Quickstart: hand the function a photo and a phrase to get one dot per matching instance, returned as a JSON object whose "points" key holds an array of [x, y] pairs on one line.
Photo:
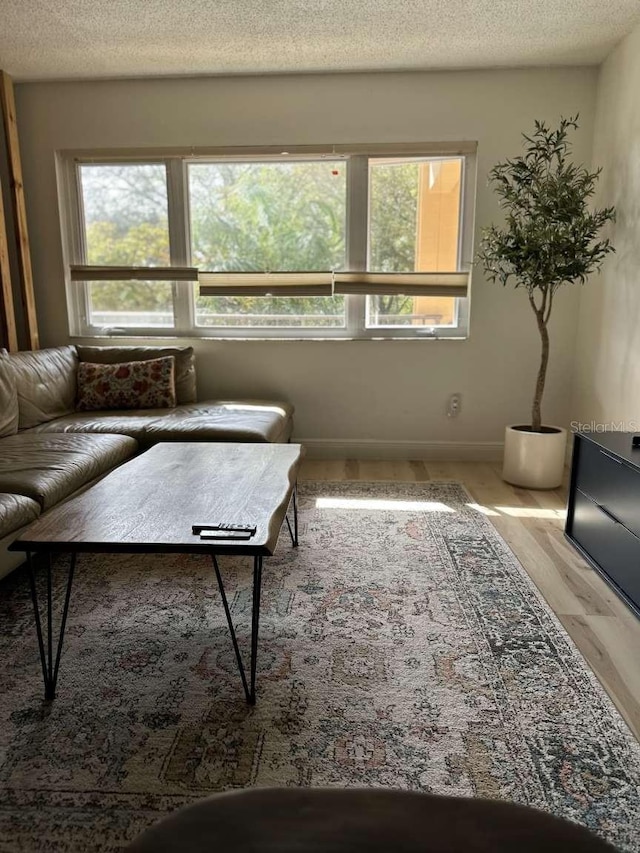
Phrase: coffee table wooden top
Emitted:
{"points": [[150, 503]]}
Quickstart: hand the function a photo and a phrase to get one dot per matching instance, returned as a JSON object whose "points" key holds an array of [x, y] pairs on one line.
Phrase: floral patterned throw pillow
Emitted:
{"points": [[128, 385]]}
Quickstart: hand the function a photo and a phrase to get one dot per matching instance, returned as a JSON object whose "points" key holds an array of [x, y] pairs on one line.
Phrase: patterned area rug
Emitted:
{"points": [[402, 645]]}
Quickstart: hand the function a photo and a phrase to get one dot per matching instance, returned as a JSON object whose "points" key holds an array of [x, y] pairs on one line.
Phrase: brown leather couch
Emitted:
{"points": [[49, 451], [360, 820]]}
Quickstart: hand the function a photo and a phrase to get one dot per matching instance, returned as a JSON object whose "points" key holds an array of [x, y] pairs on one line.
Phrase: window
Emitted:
{"points": [[126, 223], [268, 216], [414, 226], [327, 244]]}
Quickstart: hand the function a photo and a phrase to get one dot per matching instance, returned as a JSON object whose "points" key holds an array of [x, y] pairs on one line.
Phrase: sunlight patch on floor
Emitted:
{"points": [[520, 511], [484, 510], [532, 512]]}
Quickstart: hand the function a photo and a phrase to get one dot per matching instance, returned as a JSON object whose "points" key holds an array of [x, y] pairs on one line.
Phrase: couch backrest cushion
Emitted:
{"points": [[8, 397], [46, 384], [185, 363]]}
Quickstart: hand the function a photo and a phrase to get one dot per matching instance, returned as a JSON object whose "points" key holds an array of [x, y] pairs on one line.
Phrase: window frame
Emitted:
{"points": [[176, 162]]}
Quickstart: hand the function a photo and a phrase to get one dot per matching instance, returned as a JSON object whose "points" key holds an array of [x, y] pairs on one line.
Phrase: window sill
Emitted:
{"points": [[270, 338]]}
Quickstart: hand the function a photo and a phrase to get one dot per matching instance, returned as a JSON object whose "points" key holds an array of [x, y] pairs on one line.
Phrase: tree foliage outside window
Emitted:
{"points": [[269, 217], [127, 224], [393, 217]]}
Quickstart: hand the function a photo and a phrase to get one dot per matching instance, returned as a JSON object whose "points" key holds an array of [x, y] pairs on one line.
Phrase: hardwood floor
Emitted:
{"points": [[603, 628]]}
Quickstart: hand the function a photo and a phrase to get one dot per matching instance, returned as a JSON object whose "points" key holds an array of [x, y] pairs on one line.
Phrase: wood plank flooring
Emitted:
{"points": [[603, 628]]}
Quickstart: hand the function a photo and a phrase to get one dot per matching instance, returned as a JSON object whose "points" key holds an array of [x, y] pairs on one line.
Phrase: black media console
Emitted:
{"points": [[603, 515]]}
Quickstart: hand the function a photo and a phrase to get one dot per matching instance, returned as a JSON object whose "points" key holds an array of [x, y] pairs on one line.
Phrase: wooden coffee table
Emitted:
{"points": [[150, 504]]}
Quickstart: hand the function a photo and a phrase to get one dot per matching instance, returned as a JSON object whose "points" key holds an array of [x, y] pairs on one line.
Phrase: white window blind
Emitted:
{"points": [[84, 272]]}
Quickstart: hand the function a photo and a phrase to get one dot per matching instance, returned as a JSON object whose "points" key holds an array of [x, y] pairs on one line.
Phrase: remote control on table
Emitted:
{"points": [[236, 528], [227, 535]]}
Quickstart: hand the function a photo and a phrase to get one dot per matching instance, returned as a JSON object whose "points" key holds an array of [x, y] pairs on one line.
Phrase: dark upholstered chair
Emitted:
{"points": [[331, 820]]}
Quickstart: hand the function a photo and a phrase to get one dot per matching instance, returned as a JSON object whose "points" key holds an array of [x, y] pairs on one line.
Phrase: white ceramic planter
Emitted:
{"points": [[534, 460]]}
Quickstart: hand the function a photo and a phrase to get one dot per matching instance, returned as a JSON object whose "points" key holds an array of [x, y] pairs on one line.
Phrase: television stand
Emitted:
{"points": [[603, 513]]}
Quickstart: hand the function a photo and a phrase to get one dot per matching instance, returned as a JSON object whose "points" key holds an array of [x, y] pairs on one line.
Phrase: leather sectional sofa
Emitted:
{"points": [[49, 451]]}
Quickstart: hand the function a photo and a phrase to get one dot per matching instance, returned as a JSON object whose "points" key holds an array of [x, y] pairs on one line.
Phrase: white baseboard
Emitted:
{"points": [[442, 451]]}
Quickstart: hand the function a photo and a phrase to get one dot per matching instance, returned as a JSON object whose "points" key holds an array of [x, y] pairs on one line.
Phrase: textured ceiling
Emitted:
{"points": [[58, 39]]}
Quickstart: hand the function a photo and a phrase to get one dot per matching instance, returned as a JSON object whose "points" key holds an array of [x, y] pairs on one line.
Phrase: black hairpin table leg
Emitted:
{"points": [[294, 532], [249, 689], [49, 665]]}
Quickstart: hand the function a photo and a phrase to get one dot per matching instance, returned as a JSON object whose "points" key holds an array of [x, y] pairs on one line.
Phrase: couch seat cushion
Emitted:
{"points": [[15, 512], [213, 420], [48, 467], [219, 420]]}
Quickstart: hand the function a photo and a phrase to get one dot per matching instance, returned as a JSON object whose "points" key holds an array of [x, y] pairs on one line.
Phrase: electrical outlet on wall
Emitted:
{"points": [[454, 405]]}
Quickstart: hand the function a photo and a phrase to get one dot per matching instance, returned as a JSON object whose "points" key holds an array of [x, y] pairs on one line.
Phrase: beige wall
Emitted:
{"points": [[385, 397], [607, 376]]}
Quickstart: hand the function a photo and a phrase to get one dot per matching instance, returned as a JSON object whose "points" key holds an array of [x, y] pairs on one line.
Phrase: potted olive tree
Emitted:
{"points": [[550, 238]]}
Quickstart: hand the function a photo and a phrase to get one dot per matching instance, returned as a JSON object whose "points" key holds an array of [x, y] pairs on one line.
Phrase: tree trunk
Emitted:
{"points": [[536, 417]]}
